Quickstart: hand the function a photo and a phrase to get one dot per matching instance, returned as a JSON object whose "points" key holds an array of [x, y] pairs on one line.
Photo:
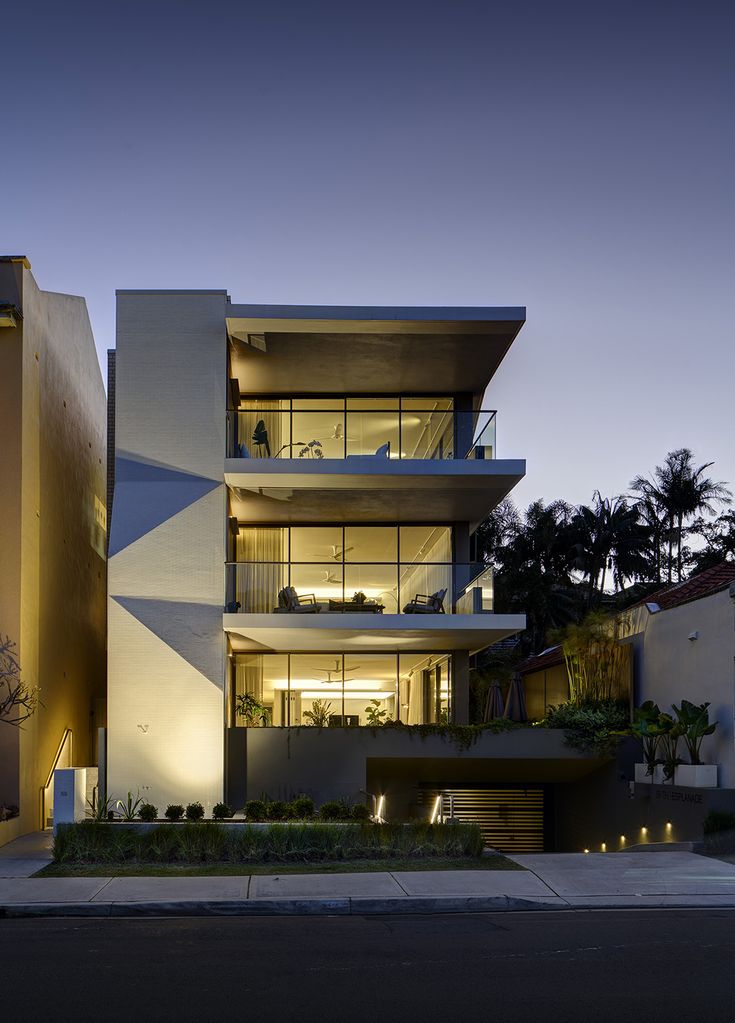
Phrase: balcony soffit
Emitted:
{"points": [[378, 356]]}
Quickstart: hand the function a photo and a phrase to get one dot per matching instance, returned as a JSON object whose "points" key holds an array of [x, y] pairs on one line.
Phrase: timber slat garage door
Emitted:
{"points": [[511, 819]]}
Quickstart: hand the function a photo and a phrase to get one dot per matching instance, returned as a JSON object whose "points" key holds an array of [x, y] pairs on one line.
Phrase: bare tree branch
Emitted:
{"points": [[18, 700]]}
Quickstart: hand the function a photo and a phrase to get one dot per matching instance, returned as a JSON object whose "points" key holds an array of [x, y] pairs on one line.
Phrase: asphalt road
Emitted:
{"points": [[542, 967]]}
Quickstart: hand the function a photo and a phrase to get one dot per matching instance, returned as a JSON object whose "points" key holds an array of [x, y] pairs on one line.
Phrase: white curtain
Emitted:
{"points": [[426, 577], [261, 553]]}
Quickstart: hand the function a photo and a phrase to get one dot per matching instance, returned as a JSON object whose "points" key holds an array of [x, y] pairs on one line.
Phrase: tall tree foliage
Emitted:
{"points": [[681, 491], [530, 557], [607, 536], [554, 562]]}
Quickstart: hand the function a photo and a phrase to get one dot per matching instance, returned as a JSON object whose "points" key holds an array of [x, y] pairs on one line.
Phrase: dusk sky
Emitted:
{"points": [[573, 158]]}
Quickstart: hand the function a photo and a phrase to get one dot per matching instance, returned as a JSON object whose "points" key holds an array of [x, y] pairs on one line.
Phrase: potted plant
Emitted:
{"points": [[318, 716], [646, 726], [695, 724], [672, 731], [253, 711], [312, 450], [376, 713]]}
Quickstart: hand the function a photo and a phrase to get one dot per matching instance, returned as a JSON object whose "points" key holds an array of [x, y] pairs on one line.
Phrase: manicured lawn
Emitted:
{"points": [[244, 869]]}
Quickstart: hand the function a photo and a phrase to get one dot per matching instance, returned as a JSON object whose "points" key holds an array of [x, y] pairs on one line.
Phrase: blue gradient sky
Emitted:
{"points": [[573, 158]]}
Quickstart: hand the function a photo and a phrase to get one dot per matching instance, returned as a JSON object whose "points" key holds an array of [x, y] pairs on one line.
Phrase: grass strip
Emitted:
{"points": [[496, 862]]}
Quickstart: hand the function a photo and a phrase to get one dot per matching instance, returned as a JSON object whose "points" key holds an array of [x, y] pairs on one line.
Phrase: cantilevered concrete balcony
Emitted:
{"points": [[368, 489], [364, 633], [374, 350]]}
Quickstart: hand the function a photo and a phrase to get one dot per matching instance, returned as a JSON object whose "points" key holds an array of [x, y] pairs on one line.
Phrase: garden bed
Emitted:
{"points": [[90, 842]]}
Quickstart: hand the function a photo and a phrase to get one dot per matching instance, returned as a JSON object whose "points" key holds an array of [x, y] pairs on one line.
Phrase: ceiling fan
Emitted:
{"points": [[337, 433], [330, 578], [336, 670], [337, 552]]}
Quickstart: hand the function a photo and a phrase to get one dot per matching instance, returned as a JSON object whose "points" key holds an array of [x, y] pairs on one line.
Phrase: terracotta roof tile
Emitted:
{"points": [[712, 580], [546, 659]]}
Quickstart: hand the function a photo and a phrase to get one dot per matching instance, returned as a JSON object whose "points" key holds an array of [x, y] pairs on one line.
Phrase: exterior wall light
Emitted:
{"points": [[622, 839], [379, 809], [603, 847], [586, 850]]}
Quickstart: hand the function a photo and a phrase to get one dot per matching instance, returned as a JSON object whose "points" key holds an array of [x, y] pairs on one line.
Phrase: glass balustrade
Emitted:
{"points": [[355, 433], [343, 587]]}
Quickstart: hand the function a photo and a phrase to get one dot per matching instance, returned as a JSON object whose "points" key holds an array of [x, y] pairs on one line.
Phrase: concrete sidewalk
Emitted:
{"points": [[24, 856], [549, 881]]}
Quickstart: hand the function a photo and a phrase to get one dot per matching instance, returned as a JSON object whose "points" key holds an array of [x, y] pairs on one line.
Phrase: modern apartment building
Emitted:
{"points": [[291, 561], [52, 537]]}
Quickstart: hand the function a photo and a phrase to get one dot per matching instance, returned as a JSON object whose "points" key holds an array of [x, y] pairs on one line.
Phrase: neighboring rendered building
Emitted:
{"points": [[683, 639], [52, 540], [682, 643]]}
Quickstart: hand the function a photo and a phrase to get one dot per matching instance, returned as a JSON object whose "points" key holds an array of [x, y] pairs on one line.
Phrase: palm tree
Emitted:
{"points": [[532, 571], [719, 541], [654, 519], [682, 491], [607, 536]]}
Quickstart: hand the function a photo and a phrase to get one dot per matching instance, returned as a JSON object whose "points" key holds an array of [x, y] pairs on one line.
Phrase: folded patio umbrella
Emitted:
{"points": [[494, 702], [515, 705]]}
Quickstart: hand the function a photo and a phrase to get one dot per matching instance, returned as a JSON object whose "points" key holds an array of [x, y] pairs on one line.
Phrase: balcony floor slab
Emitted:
{"points": [[342, 633], [368, 489]]}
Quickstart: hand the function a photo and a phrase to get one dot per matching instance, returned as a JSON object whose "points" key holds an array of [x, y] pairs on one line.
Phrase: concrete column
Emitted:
{"points": [[461, 687], [463, 425], [460, 557]]}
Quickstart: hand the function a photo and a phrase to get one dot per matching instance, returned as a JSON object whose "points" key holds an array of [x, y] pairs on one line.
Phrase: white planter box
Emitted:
{"points": [[643, 778], [696, 776]]}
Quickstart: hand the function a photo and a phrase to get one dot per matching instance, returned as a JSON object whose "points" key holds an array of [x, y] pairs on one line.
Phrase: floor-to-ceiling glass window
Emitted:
{"points": [[259, 690], [339, 690], [351, 568], [317, 428], [382, 426], [371, 689], [425, 566], [425, 688]]}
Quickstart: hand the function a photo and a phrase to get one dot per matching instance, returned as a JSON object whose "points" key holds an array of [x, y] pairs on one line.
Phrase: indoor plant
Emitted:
{"points": [[318, 716], [253, 711]]}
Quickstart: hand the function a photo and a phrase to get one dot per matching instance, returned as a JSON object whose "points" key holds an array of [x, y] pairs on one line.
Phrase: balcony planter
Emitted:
{"points": [[642, 776], [696, 776]]}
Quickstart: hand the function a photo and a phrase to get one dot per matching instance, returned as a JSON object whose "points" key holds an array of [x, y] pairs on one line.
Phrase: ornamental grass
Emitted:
{"points": [[92, 842]]}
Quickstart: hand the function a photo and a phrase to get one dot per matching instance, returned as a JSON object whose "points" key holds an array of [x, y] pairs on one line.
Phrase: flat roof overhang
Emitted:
{"points": [[377, 350], [368, 489], [342, 633]]}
